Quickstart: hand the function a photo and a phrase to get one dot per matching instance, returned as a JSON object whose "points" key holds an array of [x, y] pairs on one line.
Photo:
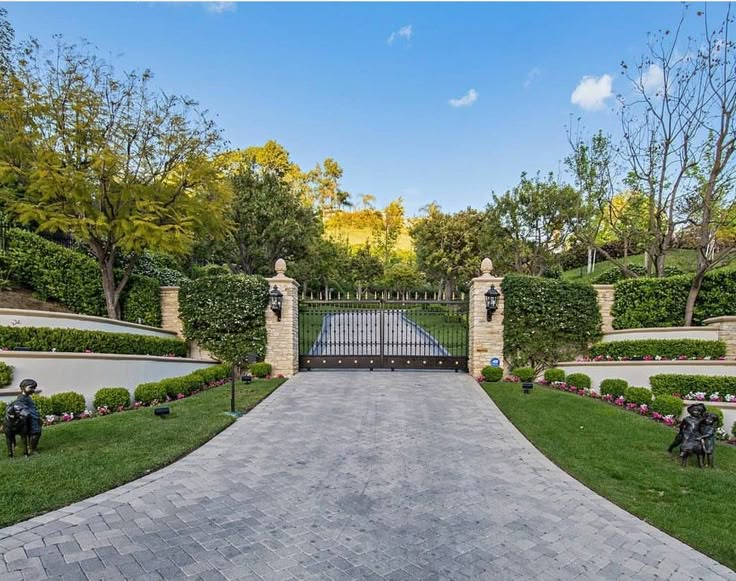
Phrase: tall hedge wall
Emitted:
{"points": [[73, 279], [546, 321], [226, 315], [660, 302]]}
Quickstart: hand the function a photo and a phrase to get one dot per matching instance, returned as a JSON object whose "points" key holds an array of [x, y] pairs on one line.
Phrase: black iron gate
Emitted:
{"points": [[383, 334]]}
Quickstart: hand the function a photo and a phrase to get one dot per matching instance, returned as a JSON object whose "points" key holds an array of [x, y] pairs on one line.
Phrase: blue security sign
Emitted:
{"points": [[495, 362]]}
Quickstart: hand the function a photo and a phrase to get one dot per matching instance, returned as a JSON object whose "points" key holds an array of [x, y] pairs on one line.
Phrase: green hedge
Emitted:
{"points": [[491, 373], [614, 387], [6, 374], [671, 383], [638, 395], [546, 320], [43, 404], [3, 408], [660, 302], [665, 348], [554, 374], [73, 278], [579, 380], [226, 315], [186, 384], [68, 402], [112, 398], [667, 405], [77, 341]]}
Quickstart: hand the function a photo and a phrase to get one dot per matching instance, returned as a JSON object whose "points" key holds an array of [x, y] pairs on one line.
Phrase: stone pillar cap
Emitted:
{"points": [[486, 266], [280, 266]]}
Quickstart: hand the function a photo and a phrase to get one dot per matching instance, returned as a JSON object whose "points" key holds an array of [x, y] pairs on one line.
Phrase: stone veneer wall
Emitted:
{"points": [[485, 338], [170, 321], [605, 304], [282, 347], [726, 332]]}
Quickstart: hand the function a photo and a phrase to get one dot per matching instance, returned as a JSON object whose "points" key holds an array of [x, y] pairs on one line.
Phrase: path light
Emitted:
{"points": [[277, 299], [527, 386], [491, 302], [161, 412]]}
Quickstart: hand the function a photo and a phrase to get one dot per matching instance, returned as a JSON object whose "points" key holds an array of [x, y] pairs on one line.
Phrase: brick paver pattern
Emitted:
{"points": [[353, 475]]}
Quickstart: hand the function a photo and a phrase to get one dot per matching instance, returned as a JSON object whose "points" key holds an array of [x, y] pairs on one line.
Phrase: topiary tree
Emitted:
{"points": [[226, 315], [667, 405], [638, 395], [525, 374]]}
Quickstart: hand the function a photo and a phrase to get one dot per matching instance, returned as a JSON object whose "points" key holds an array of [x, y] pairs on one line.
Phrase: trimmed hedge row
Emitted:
{"points": [[665, 348], [146, 393], [554, 374], [546, 320], [672, 383], [65, 402], [660, 302], [78, 341], [73, 279], [638, 395]]}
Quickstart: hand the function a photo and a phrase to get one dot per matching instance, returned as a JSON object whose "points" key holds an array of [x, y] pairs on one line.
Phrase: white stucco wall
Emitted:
{"points": [[637, 373], [707, 333], [26, 318], [85, 373]]}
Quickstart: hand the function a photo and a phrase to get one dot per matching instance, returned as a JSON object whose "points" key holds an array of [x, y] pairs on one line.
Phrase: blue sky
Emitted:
{"points": [[371, 84]]}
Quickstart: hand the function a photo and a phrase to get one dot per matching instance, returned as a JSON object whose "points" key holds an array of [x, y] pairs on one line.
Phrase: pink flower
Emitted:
{"points": [[644, 409], [657, 416], [180, 396], [103, 410], [620, 401], [137, 404]]}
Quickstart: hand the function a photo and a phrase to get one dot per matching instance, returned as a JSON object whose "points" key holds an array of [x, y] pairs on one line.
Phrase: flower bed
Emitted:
{"points": [[641, 409]]}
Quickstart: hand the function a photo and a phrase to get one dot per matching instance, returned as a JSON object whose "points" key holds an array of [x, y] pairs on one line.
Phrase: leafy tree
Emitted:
{"points": [[270, 222], [537, 216], [366, 269], [7, 35], [387, 230], [403, 277], [448, 246], [105, 157]]}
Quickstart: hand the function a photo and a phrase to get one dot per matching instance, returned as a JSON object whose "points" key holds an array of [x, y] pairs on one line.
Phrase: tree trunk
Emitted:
{"points": [[112, 296], [590, 259], [692, 296]]}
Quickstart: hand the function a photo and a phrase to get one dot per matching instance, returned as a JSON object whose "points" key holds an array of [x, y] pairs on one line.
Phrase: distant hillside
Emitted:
{"points": [[356, 228]]}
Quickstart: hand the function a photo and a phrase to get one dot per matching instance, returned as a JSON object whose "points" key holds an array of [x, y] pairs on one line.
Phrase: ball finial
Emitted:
{"points": [[280, 266], [486, 266]]}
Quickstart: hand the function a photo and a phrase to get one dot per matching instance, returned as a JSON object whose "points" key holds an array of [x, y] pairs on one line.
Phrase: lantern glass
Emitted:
{"points": [[491, 297]]}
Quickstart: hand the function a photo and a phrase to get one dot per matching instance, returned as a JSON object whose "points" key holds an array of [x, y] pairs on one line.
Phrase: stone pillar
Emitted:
{"points": [[485, 338], [282, 348], [170, 320], [605, 304], [726, 332]]}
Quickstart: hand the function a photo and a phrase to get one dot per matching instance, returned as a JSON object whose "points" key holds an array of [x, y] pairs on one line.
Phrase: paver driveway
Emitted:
{"points": [[354, 475]]}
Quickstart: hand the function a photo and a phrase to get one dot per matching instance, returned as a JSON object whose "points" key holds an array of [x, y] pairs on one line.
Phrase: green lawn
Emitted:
{"points": [[83, 458], [449, 329], [624, 457], [684, 259]]}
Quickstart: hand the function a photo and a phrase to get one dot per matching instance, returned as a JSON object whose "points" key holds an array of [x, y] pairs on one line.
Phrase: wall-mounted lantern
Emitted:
{"points": [[492, 296], [277, 298]]}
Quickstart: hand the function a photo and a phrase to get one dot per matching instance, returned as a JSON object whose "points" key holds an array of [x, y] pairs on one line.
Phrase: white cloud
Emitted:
{"points": [[221, 7], [532, 76], [652, 80], [403, 33], [466, 100], [591, 93]]}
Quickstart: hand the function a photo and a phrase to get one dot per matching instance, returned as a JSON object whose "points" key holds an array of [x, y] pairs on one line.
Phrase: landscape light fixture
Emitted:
{"points": [[491, 302], [527, 386], [277, 298], [161, 412]]}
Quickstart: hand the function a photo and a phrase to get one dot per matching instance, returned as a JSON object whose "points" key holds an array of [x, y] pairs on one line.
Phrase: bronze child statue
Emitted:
{"points": [[22, 419], [708, 427], [688, 438]]}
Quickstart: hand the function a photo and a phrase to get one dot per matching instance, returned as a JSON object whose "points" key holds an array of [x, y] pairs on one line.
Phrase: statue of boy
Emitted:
{"points": [[27, 389], [708, 428], [689, 425]]}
